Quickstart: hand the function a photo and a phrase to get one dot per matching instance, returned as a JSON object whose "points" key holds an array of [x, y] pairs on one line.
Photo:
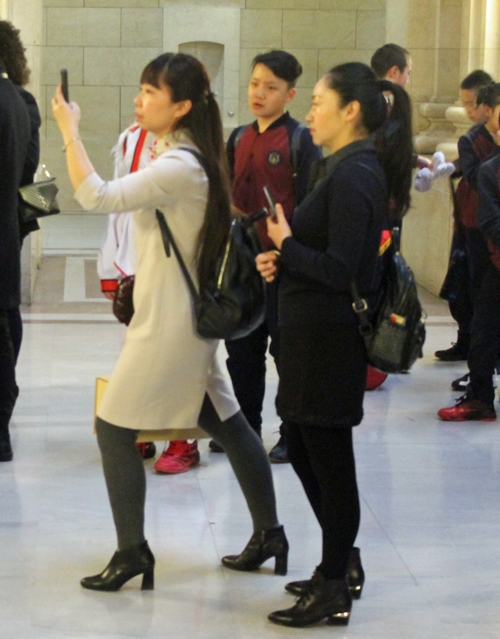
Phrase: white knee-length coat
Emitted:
{"points": [[164, 369]]}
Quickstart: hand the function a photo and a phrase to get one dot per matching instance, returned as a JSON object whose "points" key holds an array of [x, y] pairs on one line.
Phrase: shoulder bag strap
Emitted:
{"points": [[360, 307], [168, 241], [168, 238]]}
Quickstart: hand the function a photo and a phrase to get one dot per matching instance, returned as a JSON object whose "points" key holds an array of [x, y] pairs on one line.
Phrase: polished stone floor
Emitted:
{"points": [[430, 499]]}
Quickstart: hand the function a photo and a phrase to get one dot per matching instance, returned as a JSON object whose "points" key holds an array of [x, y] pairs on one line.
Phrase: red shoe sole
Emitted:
{"points": [[462, 418]]}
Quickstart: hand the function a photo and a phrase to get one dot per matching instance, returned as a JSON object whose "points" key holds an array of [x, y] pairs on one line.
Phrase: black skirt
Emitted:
{"points": [[322, 372]]}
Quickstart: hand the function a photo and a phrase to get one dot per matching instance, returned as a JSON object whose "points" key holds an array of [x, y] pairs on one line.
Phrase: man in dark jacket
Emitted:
{"points": [[14, 139]]}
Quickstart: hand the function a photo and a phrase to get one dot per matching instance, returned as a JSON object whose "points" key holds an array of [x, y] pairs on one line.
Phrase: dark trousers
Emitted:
{"points": [[323, 459], [16, 329], [247, 361], [485, 335], [456, 286], [478, 259], [8, 387]]}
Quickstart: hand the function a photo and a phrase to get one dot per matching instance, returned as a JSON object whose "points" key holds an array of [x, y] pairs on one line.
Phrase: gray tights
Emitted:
{"points": [[126, 479]]}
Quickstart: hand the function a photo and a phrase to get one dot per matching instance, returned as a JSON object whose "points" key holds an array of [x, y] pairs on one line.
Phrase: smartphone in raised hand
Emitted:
{"points": [[64, 84], [272, 204]]}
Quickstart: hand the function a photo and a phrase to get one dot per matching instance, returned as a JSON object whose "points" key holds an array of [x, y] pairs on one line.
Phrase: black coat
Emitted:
{"points": [[14, 140], [32, 158]]}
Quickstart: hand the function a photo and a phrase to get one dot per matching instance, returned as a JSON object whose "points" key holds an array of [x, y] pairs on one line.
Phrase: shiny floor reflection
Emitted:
{"points": [[430, 511]]}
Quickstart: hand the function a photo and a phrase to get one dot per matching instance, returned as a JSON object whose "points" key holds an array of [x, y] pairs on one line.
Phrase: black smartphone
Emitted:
{"points": [[272, 205], [64, 84]]}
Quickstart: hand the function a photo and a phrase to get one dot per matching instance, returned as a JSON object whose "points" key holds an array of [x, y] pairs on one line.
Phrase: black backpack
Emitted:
{"points": [[394, 331], [234, 304]]}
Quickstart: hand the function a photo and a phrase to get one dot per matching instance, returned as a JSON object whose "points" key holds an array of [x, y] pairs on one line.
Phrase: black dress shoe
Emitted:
{"points": [[215, 447], [279, 452], [6, 453], [124, 565], [147, 450], [355, 578], [458, 352], [325, 599], [263, 545]]}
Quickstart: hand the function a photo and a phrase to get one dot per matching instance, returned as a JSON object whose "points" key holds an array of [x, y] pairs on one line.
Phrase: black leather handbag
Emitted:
{"points": [[39, 199], [123, 303], [234, 306]]}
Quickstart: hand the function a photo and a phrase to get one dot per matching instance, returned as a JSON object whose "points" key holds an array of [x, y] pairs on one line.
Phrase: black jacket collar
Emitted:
{"points": [[282, 120], [325, 167]]}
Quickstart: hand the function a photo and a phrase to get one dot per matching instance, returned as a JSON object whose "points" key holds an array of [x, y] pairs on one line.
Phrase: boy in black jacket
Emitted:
{"points": [[274, 151], [456, 287], [477, 403]]}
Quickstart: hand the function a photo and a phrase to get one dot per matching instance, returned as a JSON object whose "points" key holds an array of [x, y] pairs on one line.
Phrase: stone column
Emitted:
{"points": [[428, 29], [479, 49]]}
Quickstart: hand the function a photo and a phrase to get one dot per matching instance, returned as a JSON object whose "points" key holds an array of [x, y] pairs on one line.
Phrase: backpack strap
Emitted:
{"points": [[360, 307], [295, 146], [240, 133], [168, 238], [294, 154]]}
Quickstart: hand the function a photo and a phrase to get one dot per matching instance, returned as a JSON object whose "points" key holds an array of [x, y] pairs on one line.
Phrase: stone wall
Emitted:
{"points": [[104, 44]]}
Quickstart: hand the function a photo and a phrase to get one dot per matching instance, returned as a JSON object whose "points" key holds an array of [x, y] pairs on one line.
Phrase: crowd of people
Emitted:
{"points": [[324, 235]]}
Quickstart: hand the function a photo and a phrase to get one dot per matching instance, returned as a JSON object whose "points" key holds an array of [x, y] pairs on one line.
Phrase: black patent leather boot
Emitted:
{"points": [[325, 600], [124, 565], [355, 577], [263, 545], [355, 573]]}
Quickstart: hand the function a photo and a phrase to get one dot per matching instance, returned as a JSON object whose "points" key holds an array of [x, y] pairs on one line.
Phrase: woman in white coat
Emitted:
{"points": [[166, 373]]}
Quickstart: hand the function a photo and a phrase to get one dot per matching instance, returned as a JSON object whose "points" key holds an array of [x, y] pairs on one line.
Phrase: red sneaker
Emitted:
{"points": [[178, 458], [374, 378], [467, 409], [146, 449]]}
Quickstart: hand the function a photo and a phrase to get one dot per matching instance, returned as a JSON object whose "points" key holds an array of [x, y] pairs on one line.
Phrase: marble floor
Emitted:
{"points": [[430, 499]]}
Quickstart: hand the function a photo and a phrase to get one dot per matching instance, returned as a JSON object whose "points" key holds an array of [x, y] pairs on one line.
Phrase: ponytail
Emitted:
{"points": [[395, 147], [187, 79], [390, 124]]}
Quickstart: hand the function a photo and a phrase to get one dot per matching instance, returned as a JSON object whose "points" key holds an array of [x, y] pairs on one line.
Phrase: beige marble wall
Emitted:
{"points": [[104, 44], [320, 33], [426, 238]]}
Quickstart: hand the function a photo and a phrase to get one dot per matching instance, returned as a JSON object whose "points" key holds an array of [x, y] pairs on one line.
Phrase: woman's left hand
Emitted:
{"points": [[66, 114], [278, 230]]}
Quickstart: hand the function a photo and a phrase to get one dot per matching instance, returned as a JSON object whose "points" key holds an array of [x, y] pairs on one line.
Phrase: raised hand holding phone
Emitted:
{"points": [[64, 84]]}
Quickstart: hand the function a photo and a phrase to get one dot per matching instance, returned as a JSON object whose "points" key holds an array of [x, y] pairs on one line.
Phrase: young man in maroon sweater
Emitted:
{"points": [[277, 152]]}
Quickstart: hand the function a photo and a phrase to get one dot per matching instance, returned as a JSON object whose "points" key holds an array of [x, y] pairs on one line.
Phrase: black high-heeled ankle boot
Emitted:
{"points": [[355, 578], [124, 565], [325, 599], [355, 573], [263, 545]]}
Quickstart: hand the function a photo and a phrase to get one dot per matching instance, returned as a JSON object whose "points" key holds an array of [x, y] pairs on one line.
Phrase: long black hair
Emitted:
{"points": [[187, 79], [12, 54], [390, 124]]}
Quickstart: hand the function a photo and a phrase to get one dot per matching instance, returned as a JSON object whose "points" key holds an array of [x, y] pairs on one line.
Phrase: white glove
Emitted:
{"points": [[424, 180], [442, 169]]}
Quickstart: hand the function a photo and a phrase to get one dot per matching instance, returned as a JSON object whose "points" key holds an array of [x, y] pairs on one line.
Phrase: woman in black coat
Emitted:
{"points": [[333, 239], [12, 54]]}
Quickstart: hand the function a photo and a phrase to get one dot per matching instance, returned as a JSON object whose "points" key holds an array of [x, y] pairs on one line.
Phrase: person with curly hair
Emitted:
{"points": [[14, 141], [12, 54]]}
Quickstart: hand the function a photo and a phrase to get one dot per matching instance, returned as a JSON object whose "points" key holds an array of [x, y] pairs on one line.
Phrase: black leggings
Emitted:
{"points": [[126, 480], [323, 458]]}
